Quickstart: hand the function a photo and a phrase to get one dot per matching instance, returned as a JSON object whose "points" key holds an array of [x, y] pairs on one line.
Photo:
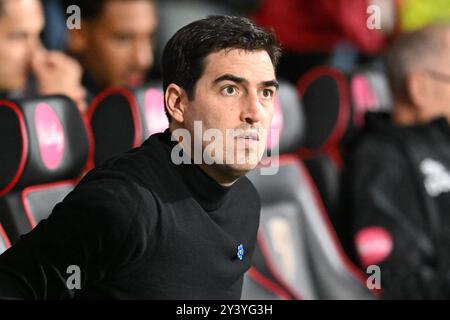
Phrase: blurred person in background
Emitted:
{"points": [[115, 42], [26, 68], [319, 32], [397, 181]]}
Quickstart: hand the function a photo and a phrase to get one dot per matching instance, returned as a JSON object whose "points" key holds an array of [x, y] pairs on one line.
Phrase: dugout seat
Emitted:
{"points": [[45, 147], [123, 118], [335, 105]]}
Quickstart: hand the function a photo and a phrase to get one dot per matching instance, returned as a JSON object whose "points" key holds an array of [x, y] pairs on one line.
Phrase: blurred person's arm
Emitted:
{"points": [[57, 73], [388, 224]]}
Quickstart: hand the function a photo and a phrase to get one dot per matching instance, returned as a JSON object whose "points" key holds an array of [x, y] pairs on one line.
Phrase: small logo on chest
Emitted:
{"points": [[437, 177], [240, 252]]}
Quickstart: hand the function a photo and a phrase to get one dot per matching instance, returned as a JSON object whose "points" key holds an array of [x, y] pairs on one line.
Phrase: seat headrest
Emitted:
{"points": [[41, 140], [288, 123], [122, 118], [326, 102], [370, 92]]}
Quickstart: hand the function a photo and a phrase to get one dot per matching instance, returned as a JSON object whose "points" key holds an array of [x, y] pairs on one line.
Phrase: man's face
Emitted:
{"points": [[117, 46], [429, 85], [439, 104], [236, 91], [21, 23]]}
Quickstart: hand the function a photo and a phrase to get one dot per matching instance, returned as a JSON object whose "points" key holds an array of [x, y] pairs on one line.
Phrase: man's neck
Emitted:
{"points": [[403, 118], [224, 181], [405, 114], [211, 170]]}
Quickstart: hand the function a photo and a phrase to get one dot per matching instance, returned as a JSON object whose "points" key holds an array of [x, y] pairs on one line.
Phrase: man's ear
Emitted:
{"points": [[419, 89], [175, 98]]}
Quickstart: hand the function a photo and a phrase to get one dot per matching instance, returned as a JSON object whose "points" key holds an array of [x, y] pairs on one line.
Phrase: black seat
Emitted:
{"points": [[335, 105], [122, 118], [298, 250], [326, 99], [45, 147]]}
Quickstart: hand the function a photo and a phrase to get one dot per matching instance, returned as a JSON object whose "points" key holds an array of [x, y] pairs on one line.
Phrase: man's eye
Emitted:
{"points": [[123, 37], [267, 93], [229, 91], [17, 36]]}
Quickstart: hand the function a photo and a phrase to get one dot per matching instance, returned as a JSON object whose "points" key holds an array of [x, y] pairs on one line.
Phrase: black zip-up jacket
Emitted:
{"points": [[396, 191]]}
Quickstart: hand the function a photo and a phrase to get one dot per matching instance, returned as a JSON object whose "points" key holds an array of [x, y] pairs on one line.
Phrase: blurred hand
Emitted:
{"points": [[57, 73]]}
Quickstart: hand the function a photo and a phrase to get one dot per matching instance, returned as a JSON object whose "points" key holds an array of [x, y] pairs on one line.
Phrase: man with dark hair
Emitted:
{"points": [[397, 182], [144, 224], [115, 42], [26, 68]]}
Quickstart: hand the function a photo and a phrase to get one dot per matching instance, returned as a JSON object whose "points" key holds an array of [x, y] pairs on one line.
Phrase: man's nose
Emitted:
{"points": [[251, 111], [33, 45], [142, 55]]}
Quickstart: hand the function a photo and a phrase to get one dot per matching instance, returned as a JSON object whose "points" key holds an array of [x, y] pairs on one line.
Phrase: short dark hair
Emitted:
{"points": [[413, 51], [184, 54]]}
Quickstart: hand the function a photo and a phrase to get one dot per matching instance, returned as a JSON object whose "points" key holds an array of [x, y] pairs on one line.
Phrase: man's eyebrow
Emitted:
{"points": [[230, 77], [233, 78], [271, 83]]}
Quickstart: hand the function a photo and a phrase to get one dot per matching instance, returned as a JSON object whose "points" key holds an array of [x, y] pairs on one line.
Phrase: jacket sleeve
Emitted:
{"points": [[96, 228], [388, 224]]}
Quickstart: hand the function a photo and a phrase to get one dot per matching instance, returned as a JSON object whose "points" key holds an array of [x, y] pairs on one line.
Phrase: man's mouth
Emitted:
{"points": [[250, 136], [135, 79]]}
